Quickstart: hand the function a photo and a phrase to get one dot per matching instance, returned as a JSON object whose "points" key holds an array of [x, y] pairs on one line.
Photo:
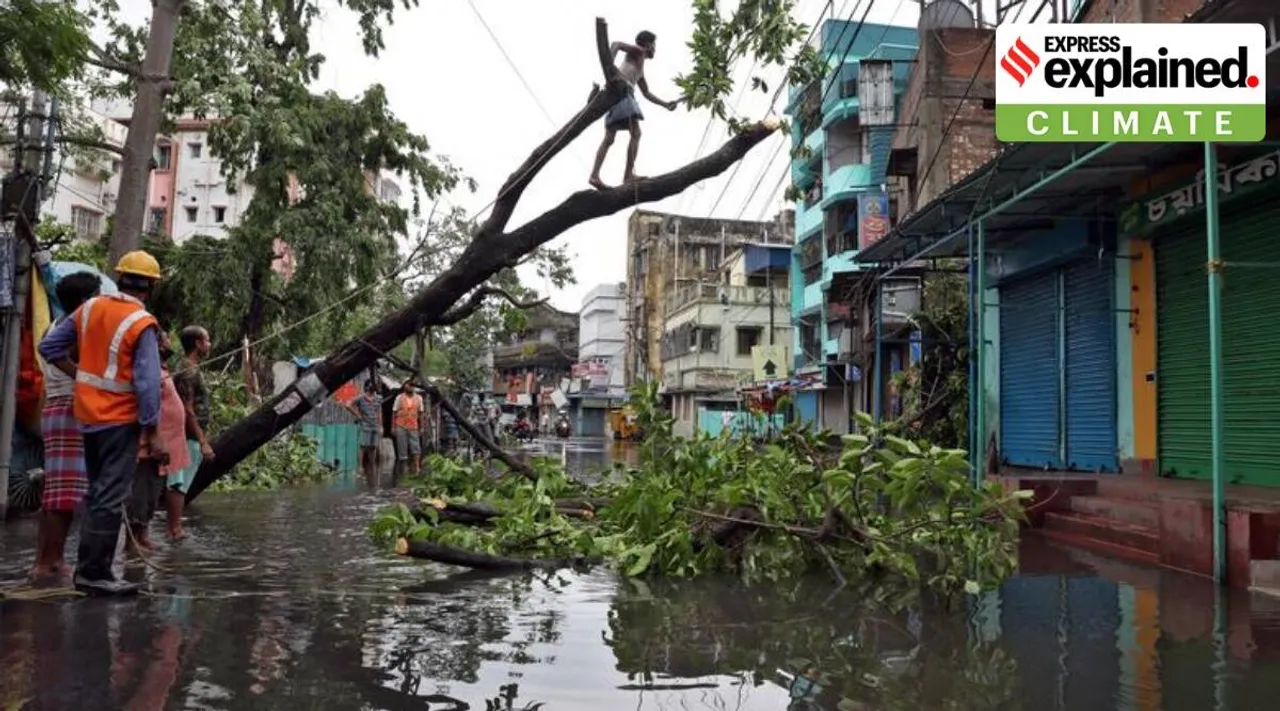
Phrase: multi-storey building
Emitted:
{"points": [[1120, 304], [668, 252], [85, 183], [598, 379], [841, 137], [532, 365], [712, 328]]}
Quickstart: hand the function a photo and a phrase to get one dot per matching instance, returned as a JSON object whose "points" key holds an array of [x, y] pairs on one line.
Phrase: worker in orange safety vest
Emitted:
{"points": [[116, 402]]}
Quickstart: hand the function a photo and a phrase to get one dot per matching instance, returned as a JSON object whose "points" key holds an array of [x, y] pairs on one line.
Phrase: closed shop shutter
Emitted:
{"points": [[1251, 350], [1029, 388], [807, 408], [1089, 347], [592, 422], [835, 415]]}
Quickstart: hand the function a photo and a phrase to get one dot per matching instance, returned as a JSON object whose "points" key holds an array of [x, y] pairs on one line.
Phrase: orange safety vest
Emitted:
{"points": [[406, 415], [107, 330]]}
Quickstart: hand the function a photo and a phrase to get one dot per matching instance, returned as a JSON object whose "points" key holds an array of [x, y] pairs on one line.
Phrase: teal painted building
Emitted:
{"points": [[840, 152]]}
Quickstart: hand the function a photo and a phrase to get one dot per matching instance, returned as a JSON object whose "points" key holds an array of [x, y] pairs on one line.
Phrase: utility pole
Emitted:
{"points": [[23, 193]]}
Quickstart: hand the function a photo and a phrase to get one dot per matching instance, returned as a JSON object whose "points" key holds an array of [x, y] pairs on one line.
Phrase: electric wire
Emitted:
{"points": [[774, 102]]}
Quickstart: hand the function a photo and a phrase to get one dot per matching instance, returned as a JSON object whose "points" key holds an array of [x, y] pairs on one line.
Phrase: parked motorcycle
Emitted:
{"points": [[563, 429]]}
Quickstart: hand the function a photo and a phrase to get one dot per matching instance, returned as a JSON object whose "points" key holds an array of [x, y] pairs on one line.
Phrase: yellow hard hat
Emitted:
{"points": [[139, 263]]}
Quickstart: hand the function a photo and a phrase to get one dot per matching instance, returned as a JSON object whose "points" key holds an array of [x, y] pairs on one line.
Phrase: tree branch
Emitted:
{"points": [[473, 304], [486, 255], [598, 105], [589, 204], [91, 143], [465, 425]]}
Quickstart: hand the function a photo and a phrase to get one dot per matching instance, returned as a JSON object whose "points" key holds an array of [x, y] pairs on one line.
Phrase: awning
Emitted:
{"points": [[1026, 188]]}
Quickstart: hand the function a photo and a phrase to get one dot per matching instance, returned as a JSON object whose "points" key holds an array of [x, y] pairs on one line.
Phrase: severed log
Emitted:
{"points": [[479, 513], [491, 250], [437, 553]]}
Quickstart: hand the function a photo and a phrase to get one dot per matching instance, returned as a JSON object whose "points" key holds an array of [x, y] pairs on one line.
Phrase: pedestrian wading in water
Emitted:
{"points": [[116, 401], [149, 479], [65, 482], [367, 408], [195, 401], [626, 114]]}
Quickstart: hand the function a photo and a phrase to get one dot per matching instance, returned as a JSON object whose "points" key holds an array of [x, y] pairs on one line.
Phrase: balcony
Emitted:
{"points": [[721, 294]]}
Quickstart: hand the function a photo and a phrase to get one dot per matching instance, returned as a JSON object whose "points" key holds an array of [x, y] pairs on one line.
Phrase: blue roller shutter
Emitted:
{"points": [[1030, 401], [1090, 367], [807, 408]]}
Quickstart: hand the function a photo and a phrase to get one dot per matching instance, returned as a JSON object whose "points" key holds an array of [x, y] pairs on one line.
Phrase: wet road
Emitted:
{"points": [[279, 601]]}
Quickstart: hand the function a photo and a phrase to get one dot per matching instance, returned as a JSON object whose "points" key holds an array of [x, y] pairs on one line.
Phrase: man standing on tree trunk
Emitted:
{"points": [[117, 403], [626, 114]]}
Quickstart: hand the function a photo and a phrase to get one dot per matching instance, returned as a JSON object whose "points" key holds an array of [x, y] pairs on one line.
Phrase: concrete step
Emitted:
{"points": [[1128, 511], [1122, 540], [1129, 488]]}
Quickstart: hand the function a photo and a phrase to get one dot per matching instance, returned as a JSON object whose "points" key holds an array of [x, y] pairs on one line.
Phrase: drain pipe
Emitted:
{"points": [[1214, 267], [972, 360], [980, 266], [876, 405]]}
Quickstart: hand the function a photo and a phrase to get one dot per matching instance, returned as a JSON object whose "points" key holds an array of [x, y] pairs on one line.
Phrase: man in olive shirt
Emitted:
{"points": [[195, 397]]}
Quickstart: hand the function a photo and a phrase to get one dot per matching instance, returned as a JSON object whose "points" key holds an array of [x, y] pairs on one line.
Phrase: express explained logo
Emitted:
{"points": [[1020, 61], [1119, 68], [1132, 82]]}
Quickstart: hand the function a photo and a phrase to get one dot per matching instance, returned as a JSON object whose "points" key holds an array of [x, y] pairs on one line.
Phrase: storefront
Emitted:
{"points": [[1058, 368], [1250, 302]]}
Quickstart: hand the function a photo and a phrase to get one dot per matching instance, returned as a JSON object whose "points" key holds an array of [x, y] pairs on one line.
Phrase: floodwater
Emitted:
{"points": [[279, 601]]}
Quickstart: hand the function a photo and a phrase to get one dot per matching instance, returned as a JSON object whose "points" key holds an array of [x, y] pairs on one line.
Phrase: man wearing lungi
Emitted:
{"points": [[65, 480], [626, 113]]}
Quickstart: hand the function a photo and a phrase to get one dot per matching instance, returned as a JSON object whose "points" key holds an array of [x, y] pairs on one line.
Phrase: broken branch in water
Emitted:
{"points": [[425, 550]]}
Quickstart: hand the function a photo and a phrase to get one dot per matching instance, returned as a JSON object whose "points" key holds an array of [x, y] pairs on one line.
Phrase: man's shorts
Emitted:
{"points": [[368, 438], [408, 443]]}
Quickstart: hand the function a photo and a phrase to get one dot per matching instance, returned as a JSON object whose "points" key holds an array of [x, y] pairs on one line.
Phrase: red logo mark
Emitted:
{"points": [[1020, 61]]}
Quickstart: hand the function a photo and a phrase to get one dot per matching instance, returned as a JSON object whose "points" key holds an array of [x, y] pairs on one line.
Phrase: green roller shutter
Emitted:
{"points": [[1251, 349]]}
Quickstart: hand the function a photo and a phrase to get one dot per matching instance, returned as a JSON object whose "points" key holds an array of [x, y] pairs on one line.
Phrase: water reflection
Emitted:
{"points": [[279, 602]]}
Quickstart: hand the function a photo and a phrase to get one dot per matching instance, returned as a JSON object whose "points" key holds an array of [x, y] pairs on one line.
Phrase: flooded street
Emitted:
{"points": [[279, 601]]}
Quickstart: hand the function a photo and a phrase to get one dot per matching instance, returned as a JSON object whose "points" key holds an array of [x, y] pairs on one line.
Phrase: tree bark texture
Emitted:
{"points": [[144, 124], [492, 248], [481, 561]]}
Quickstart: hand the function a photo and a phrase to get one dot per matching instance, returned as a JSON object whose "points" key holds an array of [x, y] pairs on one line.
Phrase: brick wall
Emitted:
{"points": [[1140, 10], [950, 60]]}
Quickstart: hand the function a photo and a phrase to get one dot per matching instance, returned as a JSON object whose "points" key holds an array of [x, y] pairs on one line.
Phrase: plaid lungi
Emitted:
{"points": [[65, 480]]}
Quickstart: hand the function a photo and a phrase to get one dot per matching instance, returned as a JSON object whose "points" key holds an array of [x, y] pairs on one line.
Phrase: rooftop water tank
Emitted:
{"points": [[945, 13]]}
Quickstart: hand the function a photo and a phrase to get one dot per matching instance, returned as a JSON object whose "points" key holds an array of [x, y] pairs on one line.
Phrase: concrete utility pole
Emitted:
{"points": [[23, 193]]}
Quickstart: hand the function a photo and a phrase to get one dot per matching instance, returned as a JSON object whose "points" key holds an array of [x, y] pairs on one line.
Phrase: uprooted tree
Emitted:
{"points": [[717, 42]]}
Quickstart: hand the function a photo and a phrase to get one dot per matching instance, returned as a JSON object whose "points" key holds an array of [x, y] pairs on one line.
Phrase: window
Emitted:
{"points": [[710, 340], [192, 212], [157, 219], [164, 155], [195, 149], [655, 228], [219, 214], [88, 224], [748, 338], [115, 166]]}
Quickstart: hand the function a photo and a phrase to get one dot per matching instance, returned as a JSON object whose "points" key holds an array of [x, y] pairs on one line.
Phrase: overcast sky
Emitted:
{"points": [[447, 78]]}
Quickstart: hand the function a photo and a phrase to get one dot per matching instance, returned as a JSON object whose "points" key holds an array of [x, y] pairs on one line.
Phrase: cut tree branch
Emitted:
{"points": [[465, 425], [599, 103], [488, 253], [460, 312]]}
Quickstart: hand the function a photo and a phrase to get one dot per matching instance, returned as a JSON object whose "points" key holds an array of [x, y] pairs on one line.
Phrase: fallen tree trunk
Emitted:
{"points": [[478, 437], [480, 513], [491, 250], [482, 561]]}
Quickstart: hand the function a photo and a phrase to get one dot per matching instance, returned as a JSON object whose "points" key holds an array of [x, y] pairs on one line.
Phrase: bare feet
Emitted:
{"points": [[177, 534], [597, 183]]}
